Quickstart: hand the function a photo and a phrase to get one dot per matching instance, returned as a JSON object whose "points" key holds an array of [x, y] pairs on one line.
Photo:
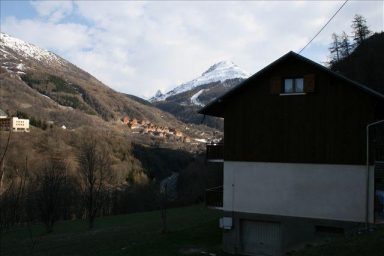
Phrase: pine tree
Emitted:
{"points": [[360, 29], [345, 46], [335, 48]]}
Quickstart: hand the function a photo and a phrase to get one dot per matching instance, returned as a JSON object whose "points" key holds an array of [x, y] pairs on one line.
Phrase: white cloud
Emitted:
{"points": [[53, 11], [139, 47], [60, 38]]}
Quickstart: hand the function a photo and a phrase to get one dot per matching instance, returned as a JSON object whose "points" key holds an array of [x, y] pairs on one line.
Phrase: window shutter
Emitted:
{"points": [[275, 87], [309, 83]]}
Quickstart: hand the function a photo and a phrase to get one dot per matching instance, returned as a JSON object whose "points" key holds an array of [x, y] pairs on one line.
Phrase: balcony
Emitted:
{"points": [[214, 198], [215, 152]]}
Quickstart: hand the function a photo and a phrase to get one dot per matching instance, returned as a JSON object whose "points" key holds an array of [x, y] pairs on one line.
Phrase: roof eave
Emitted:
{"points": [[207, 110]]}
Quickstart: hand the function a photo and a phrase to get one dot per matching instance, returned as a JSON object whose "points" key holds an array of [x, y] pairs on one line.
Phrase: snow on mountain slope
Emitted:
{"points": [[17, 57], [194, 98], [26, 49], [219, 72]]}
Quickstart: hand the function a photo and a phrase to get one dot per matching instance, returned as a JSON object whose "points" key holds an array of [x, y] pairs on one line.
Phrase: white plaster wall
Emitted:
{"points": [[335, 192], [17, 123]]}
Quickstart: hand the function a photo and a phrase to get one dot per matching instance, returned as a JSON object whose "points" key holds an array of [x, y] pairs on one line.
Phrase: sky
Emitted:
{"points": [[139, 47]]}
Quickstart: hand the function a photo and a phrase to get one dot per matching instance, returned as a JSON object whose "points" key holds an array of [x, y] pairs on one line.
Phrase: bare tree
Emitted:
{"points": [[11, 201], [163, 196], [49, 191], [2, 164], [11, 194], [94, 175]]}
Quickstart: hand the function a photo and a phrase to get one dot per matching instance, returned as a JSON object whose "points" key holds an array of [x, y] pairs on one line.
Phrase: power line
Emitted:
{"points": [[324, 26]]}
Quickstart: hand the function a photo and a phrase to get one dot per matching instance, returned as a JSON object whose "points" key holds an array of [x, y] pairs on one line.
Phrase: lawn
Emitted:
{"points": [[369, 243], [190, 229]]}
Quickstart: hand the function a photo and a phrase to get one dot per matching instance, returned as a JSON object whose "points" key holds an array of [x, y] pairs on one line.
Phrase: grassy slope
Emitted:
{"points": [[366, 244], [131, 234], [193, 227]]}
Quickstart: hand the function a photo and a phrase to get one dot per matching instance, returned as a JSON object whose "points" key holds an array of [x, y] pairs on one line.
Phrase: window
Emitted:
{"points": [[294, 85]]}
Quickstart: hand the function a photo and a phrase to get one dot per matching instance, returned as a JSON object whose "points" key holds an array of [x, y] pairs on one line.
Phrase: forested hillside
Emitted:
{"points": [[365, 64], [362, 58]]}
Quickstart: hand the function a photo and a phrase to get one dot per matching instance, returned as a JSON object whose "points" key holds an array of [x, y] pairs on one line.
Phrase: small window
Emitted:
{"points": [[294, 85]]}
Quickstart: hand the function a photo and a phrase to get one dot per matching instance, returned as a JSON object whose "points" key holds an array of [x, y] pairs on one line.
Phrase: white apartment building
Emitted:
{"points": [[14, 124]]}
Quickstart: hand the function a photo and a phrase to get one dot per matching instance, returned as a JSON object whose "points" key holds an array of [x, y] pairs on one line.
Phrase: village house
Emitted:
{"points": [[178, 133], [133, 125], [13, 124], [149, 128], [300, 159], [125, 120], [133, 121]]}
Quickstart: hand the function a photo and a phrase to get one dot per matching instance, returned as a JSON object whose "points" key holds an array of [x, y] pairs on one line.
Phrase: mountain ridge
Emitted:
{"points": [[185, 100], [219, 72], [44, 85]]}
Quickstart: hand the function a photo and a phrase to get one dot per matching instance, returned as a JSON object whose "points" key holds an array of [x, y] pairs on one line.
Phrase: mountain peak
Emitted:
{"points": [[218, 72], [158, 93], [220, 65]]}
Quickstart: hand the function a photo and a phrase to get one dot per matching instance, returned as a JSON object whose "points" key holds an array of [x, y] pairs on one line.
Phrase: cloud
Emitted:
{"points": [[139, 47], [59, 38], [53, 11]]}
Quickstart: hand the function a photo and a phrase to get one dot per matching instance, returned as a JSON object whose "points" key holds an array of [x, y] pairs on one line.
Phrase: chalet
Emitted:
{"points": [[125, 120], [150, 128], [133, 125], [300, 159], [133, 121], [178, 133], [142, 122]]}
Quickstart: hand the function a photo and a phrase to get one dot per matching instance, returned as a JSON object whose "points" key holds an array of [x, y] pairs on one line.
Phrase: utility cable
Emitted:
{"points": [[324, 26]]}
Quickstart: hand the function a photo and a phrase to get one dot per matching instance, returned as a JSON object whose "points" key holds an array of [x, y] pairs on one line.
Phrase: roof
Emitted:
{"points": [[216, 107], [2, 113]]}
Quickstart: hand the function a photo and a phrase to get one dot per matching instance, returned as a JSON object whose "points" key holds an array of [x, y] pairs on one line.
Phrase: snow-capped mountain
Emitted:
{"points": [[26, 49], [185, 100], [17, 56], [43, 84], [220, 72]]}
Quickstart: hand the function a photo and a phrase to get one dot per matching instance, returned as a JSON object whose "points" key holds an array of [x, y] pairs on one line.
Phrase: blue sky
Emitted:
{"points": [[138, 47]]}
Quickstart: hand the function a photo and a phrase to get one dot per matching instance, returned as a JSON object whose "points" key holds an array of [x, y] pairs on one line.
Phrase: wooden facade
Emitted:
{"points": [[325, 124]]}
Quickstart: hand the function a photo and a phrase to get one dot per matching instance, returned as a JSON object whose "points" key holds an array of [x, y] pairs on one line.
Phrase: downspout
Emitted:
{"points": [[367, 191]]}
